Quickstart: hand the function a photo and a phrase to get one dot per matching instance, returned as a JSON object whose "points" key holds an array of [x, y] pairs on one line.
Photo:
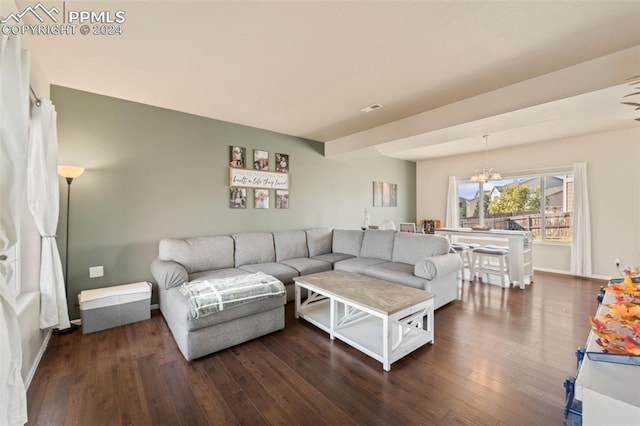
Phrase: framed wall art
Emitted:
{"points": [[260, 160], [238, 198], [282, 163], [377, 194], [261, 198], [389, 195], [385, 194], [247, 178], [237, 156], [282, 199]]}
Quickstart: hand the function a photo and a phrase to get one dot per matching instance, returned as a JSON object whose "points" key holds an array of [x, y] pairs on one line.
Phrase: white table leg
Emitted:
{"points": [[298, 297], [429, 317], [516, 268], [386, 344], [333, 313]]}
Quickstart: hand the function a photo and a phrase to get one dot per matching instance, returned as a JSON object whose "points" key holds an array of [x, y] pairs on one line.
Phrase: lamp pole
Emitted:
{"points": [[66, 241], [69, 173]]}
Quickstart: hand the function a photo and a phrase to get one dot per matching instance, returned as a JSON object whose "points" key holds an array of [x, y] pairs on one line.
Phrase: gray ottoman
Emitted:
{"points": [[197, 337], [108, 307]]}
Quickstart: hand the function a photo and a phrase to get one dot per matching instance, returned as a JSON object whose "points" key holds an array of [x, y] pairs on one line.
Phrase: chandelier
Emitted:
{"points": [[486, 173]]}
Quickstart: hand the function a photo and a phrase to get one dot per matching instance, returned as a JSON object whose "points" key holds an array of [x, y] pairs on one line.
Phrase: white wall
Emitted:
{"points": [[154, 173], [613, 160]]}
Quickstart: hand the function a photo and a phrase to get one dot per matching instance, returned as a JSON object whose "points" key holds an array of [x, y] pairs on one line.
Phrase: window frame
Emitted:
{"points": [[542, 175]]}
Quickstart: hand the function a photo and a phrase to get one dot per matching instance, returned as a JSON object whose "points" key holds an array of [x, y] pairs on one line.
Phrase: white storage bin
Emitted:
{"points": [[108, 307]]}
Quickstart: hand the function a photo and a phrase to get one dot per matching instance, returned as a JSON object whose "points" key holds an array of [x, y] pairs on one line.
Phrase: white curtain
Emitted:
{"points": [[14, 116], [451, 216], [581, 237], [44, 203]]}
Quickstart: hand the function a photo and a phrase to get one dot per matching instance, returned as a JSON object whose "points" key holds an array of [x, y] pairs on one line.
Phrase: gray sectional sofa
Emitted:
{"points": [[416, 260]]}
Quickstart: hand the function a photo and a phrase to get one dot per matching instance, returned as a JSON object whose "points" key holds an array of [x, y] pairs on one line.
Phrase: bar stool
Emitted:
{"points": [[491, 260], [464, 251]]}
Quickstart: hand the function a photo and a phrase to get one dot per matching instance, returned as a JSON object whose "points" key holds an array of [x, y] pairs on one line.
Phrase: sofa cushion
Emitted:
{"points": [[347, 241], [378, 244], [290, 245], [356, 265], [199, 254], [252, 248], [411, 248], [306, 266], [333, 257], [396, 272], [176, 305], [281, 271], [216, 273], [319, 241]]}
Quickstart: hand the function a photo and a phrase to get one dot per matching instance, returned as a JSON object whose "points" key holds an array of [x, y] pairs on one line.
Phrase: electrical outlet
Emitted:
{"points": [[96, 272], [618, 262]]}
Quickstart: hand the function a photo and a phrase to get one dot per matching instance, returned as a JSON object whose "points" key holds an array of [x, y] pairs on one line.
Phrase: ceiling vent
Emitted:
{"points": [[371, 108]]}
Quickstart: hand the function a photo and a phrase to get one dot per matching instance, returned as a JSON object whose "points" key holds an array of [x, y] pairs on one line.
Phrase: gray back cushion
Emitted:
{"points": [[378, 244], [199, 254], [347, 241], [290, 245], [252, 248], [411, 248], [319, 241]]}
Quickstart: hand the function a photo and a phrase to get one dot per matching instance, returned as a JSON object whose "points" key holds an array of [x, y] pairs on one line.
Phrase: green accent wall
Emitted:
{"points": [[154, 173]]}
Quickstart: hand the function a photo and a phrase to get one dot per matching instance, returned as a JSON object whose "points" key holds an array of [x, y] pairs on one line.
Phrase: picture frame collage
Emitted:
{"points": [[257, 175]]}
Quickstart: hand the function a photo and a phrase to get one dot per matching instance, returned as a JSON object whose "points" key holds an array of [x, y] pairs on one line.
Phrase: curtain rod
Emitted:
{"points": [[37, 99]]}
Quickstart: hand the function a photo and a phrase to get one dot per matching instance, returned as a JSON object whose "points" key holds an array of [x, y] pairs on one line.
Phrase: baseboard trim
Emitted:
{"points": [[553, 271], [556, 271], [36, 362], [155, 306]]}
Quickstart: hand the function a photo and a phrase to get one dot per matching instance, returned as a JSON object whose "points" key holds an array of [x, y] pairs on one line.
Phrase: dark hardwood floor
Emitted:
{"points": [[500, 358]]}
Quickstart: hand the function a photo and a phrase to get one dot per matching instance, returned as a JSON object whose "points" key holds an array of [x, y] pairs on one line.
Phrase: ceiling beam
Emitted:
{"points": [[427, 128]]}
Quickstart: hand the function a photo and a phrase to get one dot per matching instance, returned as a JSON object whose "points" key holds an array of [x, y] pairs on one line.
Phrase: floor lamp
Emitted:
{"points": [[69, 173]]}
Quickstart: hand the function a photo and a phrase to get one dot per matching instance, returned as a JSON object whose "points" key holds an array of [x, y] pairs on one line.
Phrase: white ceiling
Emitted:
{"points": [[306, 68]]}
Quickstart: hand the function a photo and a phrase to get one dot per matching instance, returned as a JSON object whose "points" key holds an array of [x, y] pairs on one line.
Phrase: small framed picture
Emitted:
{"points": [[282, 163], [407, 227], [282, 199], [260, 160], [261, 198], [377, 194], [389, 195], [237, 156], [238, 198]]}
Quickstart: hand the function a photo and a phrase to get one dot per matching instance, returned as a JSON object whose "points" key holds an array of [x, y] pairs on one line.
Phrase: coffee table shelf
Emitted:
{"points": [[385, 331], [318, 314]]}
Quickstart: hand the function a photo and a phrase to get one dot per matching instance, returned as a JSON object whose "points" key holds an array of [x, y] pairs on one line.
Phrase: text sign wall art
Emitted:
{"points": [[245, 178]]}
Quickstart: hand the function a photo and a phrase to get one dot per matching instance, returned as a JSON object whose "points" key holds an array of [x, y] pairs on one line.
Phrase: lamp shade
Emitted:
{"points": [[70, 171]]}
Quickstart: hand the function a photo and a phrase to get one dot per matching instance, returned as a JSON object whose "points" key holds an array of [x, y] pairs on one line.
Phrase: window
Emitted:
{"points": [[541, 204]]}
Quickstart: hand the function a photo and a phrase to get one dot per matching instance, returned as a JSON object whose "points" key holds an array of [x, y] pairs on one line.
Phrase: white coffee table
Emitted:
{"points": [[379, 318]]}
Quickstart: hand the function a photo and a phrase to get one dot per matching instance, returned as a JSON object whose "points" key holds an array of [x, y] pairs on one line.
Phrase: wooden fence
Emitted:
{"points": [[557, 226]]}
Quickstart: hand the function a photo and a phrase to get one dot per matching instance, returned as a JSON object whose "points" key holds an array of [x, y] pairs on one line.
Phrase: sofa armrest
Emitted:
{"points": [[168, 273], [434, 266]]}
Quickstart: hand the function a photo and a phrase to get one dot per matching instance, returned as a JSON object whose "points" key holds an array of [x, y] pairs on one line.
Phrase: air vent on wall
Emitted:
{"points": [[371, 108]]}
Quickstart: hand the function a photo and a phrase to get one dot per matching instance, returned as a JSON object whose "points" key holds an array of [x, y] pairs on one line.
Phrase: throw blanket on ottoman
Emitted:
{"points": [[210, 296]]}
